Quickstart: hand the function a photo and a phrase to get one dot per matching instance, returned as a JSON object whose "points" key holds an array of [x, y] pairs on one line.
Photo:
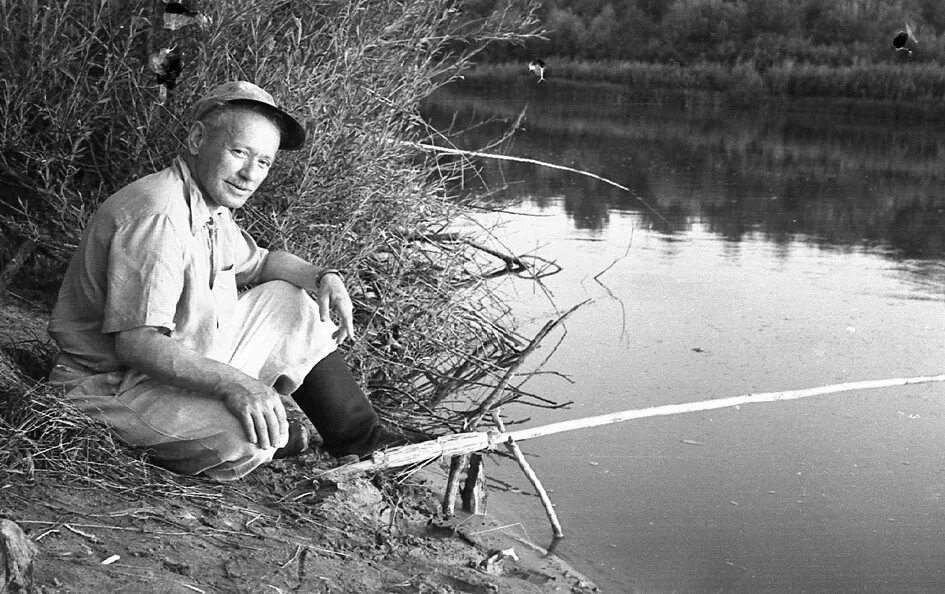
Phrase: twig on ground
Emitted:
{"points": [[292, 558]]}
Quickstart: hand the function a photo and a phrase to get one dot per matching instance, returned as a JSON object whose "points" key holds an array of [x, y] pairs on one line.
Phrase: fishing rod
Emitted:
{"points": [[466, 443]]}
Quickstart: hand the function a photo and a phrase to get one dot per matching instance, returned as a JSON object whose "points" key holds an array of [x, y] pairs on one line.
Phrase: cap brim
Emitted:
{"points": [[293, 134]]}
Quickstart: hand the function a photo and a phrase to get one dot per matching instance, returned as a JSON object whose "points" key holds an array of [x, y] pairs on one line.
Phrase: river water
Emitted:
{"points": [[774, 251]]}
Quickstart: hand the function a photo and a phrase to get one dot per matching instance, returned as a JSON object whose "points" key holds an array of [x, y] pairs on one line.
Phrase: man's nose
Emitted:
{"points": [[252, 171]]}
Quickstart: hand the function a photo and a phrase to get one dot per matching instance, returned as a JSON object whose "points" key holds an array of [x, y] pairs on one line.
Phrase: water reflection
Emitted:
{"points": [[834, 183], [799, 251]]}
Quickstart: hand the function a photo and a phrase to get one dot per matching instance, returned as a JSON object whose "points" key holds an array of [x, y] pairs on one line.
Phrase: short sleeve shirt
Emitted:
{"points": [[156, 253]]}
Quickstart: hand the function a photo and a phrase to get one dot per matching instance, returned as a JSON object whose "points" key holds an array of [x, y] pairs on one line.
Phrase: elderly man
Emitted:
{"points": [[157, 341]]}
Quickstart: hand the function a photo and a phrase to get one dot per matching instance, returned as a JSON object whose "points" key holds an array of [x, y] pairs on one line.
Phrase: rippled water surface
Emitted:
{"points": [[770, 251]]}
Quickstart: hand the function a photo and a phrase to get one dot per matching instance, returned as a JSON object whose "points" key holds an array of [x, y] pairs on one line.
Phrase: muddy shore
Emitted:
{"points": [[274, 531]]}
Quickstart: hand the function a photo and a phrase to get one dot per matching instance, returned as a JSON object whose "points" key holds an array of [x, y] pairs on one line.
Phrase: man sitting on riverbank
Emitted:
{"points": [[155, 339]]}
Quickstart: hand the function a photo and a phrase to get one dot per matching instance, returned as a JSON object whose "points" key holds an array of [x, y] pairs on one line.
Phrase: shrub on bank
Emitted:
{"points": [[81, 114]]}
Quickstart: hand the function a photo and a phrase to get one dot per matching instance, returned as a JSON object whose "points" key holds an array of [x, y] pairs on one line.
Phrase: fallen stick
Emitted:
{"points": [[532, 477], [464, 443], [455, 151], [513, 263]]}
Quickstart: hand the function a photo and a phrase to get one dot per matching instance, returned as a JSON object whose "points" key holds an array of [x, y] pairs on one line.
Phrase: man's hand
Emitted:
{"points": [[327, 285], [332, 295], [261, 413]]}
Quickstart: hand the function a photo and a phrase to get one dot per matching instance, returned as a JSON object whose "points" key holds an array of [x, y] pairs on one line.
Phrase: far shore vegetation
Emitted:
{"points": [[912, 90], [742, 51]]}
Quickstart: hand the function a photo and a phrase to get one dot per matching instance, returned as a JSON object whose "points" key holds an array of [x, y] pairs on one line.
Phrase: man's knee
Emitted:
{"points": [[283, 299], [281, 291], [283, 334]]}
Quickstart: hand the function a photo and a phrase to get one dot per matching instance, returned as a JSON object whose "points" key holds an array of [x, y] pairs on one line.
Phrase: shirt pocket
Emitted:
{"points": [[224, 294]]}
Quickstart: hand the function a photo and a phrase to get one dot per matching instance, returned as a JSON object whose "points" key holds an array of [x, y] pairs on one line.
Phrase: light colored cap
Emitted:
{"points": [[240, 91]]}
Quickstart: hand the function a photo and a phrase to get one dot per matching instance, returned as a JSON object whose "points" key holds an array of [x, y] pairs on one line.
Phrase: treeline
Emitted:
{"points": [[820, 32]]}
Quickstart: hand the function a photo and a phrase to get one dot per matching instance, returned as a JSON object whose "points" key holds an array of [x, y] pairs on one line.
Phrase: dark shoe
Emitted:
{"points": [[379, 439], [385, 438], [298, 441]]}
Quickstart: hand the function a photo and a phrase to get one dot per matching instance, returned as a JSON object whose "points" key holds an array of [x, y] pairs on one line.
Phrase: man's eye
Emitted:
{"points": [[265, 164], [238, 152]]}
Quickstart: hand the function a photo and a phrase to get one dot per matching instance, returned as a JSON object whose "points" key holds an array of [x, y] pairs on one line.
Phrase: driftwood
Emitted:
{"points": [[512, 263], [465, 443], [473, 494], [16, 559], [458, 464]]}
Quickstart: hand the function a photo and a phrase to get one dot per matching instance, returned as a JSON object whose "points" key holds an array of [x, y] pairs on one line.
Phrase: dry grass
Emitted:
{"points": [[43, 436], [81, 118]]}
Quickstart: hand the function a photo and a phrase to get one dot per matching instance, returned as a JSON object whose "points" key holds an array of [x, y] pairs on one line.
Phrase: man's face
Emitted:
{"points": [[232, 155]]}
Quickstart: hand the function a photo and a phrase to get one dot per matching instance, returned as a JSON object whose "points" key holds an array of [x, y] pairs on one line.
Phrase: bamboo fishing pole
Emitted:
{"points": [[465, 443]]}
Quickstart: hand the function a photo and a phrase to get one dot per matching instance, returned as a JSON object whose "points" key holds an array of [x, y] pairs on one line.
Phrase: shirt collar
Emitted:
{"points": [[201, 212]]}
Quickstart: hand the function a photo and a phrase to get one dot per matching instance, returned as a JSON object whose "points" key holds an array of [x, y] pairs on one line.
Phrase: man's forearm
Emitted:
{"points": [[169, 361], [255, 405], [292, 269]]}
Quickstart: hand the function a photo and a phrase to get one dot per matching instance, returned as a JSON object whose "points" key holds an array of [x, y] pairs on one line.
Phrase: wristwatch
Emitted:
{"points": [[321, 275]]}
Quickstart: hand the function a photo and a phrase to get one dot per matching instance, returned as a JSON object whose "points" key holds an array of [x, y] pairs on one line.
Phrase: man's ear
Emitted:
{"points": [[196, 137]]}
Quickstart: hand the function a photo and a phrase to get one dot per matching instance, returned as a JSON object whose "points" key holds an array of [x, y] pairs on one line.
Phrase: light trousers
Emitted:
{"points": [[275, 335]]}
